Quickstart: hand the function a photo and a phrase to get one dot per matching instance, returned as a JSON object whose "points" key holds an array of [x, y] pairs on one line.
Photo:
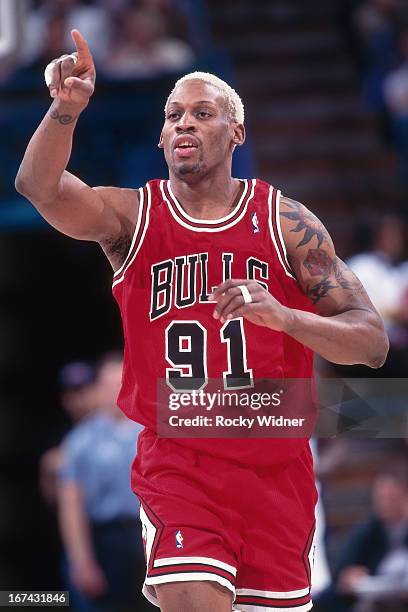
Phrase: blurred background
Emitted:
{"points": [[325, 86]]}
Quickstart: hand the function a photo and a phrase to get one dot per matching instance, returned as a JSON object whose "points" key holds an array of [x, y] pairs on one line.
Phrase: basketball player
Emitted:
{"points": [[215, 277]]}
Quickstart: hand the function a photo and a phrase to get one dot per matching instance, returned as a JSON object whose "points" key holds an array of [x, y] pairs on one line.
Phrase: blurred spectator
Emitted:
{"points": [[175, 20], [53, 43], [377, 268], [396, 83], [377, 23], [112, 5], [98, 513], [78, 400], [142, 48], [377, 19], [77, 381], [196, 13], [403, 270], [380, 271], [41, 41], [186, 20], [345, 14], [396, 97], [373, 569]]}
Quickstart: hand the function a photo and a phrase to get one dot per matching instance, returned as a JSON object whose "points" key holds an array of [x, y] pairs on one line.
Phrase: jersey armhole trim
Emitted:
{"points": [[137, 225], [142, 223], [276, 231]]}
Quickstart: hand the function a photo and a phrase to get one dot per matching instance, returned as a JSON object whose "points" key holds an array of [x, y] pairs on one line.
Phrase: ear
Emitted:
{"points": [[239, 134], [160, 143]]}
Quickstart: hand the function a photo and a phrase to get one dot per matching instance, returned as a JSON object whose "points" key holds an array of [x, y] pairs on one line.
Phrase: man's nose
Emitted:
{"points": [[186, 122]]}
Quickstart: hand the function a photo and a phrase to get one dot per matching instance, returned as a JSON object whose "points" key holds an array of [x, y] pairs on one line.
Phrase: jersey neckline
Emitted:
{"points": [[186, 220]]}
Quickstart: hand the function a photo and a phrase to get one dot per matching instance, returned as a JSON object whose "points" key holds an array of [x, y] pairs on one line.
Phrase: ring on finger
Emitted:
{"points": [[246, 294]]}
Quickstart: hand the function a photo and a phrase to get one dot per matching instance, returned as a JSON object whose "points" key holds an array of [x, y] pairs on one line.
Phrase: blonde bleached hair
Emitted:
{"points": [[233, 101]]}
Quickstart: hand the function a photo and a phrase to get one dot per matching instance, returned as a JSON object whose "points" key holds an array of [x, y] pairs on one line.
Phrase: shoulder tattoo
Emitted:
{"points": [[305, 222]]}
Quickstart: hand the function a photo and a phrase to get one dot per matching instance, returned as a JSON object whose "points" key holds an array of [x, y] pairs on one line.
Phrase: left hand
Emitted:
{"points": [[264, 309], [350, 578], [89, 578]]}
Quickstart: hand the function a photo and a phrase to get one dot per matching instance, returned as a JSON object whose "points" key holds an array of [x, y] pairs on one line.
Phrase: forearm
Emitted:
{"points": [[48, 153], [74, 526], [352, 337]]}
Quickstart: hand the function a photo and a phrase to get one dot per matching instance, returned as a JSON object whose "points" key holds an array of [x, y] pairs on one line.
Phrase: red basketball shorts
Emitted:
{"points": [[248, 529]]}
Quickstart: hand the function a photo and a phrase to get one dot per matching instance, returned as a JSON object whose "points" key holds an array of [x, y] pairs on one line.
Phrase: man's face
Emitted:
{"points": [[79, 402], [390, 500], [198, 134], [108, 384]]}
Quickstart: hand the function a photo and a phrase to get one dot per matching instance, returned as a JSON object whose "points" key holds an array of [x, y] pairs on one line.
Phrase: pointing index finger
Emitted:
{"points": [[81, 45]]}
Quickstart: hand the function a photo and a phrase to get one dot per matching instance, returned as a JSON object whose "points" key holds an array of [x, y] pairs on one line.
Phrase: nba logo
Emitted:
{"points": [[179, 539], [255, 224]]}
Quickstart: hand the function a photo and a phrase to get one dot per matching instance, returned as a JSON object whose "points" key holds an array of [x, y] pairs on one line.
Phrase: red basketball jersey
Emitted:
{"points": [[162, 290]]}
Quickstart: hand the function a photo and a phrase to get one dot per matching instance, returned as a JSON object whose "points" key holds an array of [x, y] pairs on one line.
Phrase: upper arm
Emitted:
{"points": [[90, 213], [324, 278]]}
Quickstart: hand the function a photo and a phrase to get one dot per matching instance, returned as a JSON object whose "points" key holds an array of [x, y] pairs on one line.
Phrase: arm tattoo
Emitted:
{"points": [[334, 273], [318, 263], [339, 274], [62, 119], [307, 222], [319, 291], [352, 283]]}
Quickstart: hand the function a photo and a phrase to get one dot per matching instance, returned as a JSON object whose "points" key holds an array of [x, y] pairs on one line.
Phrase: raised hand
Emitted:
{"points": [[71, 78]]}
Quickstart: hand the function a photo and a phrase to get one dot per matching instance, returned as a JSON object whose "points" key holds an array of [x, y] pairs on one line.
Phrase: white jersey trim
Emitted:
{"points": [[138, 222], [278, 225], [150, 592], [275, 594], [278, 194], [148, 533], [126, 264], [212, 221], [248, 608], [206, 560]]}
